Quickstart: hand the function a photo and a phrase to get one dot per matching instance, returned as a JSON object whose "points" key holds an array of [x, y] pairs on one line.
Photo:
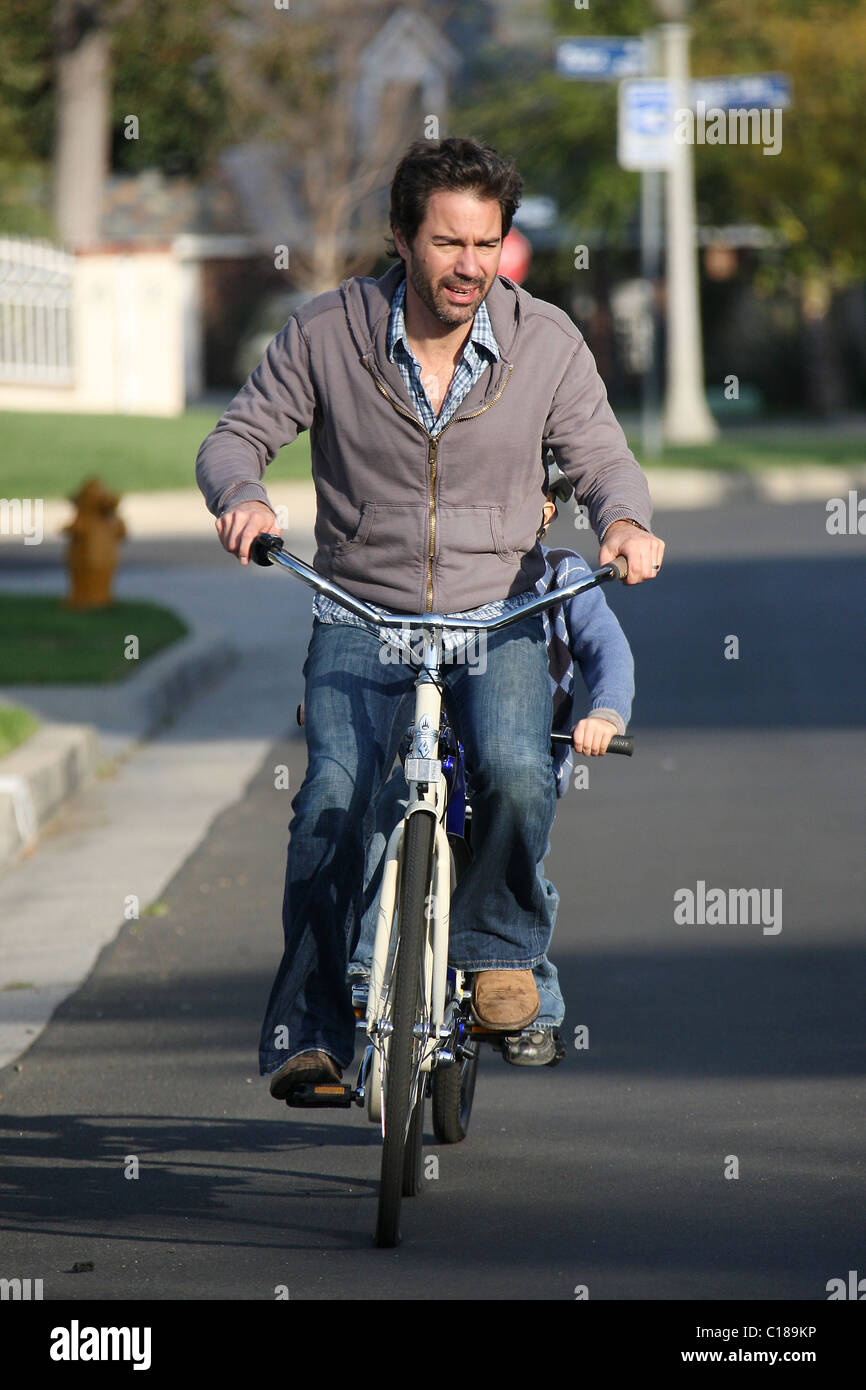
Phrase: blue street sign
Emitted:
{"points": [[645, 128], [600, 60], [754, 89]]}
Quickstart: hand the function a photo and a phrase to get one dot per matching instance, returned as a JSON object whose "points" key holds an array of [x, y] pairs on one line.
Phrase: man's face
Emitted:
{"points": [[453, 260]]}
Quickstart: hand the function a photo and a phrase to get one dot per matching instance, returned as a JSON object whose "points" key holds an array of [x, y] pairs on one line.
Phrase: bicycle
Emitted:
{"points": [[418, 1010]]}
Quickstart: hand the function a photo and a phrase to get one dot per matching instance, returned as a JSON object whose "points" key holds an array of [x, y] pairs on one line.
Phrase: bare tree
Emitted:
{"points": [[298, 77]]}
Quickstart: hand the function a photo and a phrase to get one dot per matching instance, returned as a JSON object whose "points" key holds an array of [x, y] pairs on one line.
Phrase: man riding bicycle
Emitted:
{"points": [[429, 395]]}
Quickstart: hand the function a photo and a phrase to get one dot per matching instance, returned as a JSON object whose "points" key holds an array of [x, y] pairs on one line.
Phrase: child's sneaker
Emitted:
{"points": [[360, 993], [539, 1045]]}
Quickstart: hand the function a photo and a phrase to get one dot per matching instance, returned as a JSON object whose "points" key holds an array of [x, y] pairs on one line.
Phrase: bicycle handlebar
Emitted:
{"points": [[619, 743], [268, 549]]}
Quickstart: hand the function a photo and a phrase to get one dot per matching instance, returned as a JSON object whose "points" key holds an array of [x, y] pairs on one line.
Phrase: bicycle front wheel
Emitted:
{"points": [[403, 1077]]}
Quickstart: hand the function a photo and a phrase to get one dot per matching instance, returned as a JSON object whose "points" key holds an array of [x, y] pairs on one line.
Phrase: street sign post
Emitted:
{"points": [[648, 111]]}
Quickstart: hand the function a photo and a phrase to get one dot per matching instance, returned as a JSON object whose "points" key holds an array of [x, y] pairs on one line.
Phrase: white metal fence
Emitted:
{"points": [[35, 312]]}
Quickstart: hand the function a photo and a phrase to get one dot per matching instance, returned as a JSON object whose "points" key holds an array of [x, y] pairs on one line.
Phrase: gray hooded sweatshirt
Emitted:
{"points": [[405, 520]]}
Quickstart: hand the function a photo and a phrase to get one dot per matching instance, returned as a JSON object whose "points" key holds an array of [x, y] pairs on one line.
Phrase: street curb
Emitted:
{"points": [[681, 489], [61, 758], [37, 777], [173, 677]]}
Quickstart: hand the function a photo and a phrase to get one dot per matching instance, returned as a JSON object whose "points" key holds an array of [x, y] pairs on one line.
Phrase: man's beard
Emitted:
{"points": [[450, 314]]}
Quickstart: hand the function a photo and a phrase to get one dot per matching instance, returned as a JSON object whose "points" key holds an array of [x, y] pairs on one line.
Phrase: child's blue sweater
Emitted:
{"points": [[586, 632]]}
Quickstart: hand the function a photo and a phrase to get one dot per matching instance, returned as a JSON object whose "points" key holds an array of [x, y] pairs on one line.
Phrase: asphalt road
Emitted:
{"points": [[707, 1144]]}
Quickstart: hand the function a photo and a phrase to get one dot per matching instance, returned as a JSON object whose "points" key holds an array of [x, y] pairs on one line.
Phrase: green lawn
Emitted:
{"points": [[42, 642], [50, 455], [741, 450], [15, 726]]}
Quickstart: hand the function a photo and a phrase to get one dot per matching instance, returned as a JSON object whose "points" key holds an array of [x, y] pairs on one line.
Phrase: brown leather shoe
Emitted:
{"points": [[311, 1068], [505, 1000]]}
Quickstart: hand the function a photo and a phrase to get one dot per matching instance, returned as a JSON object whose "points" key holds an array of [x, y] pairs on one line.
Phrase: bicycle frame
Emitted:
{"points": [[428, 791]]}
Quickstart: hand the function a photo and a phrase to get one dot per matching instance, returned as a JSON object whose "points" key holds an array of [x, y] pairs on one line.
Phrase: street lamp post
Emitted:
{"points": [[687, 418]]}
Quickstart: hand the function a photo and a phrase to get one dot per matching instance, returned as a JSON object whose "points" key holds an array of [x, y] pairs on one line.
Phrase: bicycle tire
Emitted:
{"points": [[453, 1088], [453, 1093], [413, 1156], [408, 1009]]}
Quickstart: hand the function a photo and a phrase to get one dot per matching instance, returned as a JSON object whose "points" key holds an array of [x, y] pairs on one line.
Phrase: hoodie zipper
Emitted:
{"points": [[432, 448]]}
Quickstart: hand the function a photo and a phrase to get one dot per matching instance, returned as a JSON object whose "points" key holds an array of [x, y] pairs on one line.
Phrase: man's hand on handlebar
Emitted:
{"points": [[640, 549], [238, 528]]}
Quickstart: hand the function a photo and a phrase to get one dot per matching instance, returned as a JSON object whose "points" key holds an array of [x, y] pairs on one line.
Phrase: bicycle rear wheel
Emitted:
{"points": [[404, 1082], [453, 1093]]}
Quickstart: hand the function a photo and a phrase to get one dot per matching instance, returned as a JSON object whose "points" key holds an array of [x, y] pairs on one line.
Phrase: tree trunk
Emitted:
{"points": [[81, 144]]}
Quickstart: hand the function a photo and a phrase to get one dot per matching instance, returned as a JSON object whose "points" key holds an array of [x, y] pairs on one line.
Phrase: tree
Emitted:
{"points": [[814, 192], [295, 78], [81, 149], [563, 137], [167, 73], [25, 116], [137, 87]]}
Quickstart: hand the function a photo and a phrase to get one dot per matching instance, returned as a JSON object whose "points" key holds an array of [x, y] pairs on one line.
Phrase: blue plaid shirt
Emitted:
{"points": [[481, 348], [468, 370]]}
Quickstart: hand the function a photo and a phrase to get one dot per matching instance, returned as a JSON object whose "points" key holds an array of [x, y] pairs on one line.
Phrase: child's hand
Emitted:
{"points": [[591, 736]]}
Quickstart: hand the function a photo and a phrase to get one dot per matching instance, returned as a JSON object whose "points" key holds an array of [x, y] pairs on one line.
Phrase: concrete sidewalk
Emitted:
{"points": [[109, 851], [88, 727], [179, 512]]}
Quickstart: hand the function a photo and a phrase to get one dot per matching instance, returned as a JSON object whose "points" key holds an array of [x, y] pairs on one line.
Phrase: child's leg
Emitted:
{"points": [[539, 1045], [552, 1005]]}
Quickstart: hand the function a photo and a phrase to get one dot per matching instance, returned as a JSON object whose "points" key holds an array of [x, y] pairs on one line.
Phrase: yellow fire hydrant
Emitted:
{"points": [[93, 545]]}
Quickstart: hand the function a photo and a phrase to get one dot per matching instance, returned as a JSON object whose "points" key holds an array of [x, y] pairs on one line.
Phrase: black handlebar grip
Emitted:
{"points": [[262, 546], [620, 743]]}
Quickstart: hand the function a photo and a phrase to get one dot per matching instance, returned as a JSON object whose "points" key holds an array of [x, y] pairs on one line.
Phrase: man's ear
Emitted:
{"points": [[397, 237]]}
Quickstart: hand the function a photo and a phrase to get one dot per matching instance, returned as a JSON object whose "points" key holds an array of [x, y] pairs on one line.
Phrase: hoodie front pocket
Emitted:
{"points": [[362, 530], [465, 531], [389, 536]]}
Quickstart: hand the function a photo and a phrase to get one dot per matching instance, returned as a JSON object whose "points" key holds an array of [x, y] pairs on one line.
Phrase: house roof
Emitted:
{"points": [[153, 206]]}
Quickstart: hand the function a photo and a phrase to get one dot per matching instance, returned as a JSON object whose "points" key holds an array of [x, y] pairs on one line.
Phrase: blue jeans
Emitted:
{"points": [[357, 710], [390, 808]]}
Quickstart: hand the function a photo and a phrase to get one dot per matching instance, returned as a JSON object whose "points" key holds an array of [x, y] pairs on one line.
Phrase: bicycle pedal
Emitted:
{"points": [[493, 1035], [560, 1051], [328, 1094]]}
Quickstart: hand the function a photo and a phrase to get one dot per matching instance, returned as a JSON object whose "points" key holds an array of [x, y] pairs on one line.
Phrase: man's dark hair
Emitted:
{"points": [[455, 165]]}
